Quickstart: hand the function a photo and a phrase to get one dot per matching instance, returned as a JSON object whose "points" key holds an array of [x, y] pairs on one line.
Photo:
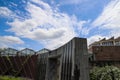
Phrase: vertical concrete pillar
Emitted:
{"points": [[81, 58]]}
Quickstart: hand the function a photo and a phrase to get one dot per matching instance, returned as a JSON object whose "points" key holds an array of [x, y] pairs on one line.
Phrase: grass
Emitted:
{"points": [[11, 78]]}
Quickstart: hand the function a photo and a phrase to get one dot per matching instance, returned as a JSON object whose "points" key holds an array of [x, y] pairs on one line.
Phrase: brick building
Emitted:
{"points": [[105, 52], [107, 42]]}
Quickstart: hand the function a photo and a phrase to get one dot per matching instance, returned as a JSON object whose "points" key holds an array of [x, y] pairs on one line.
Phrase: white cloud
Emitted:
{"points": [[46, 25], [95, 38], [7, 41], [53, 28], [9, 14], [64, 2], [110, 18], [13, 4], [4, 11]]}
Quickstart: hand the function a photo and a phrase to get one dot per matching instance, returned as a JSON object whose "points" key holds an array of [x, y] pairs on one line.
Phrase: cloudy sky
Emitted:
{"points": [[37, 24]]}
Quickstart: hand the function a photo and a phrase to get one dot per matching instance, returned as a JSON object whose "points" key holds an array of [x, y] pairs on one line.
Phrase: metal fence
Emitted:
{"points": [[22, 66]]}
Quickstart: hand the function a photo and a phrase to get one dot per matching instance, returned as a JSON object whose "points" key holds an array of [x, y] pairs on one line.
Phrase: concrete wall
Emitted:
{"points": [[81, 58], [65, 63]]}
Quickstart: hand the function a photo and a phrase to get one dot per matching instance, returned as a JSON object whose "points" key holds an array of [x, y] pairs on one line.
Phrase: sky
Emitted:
{"points": [[38, 24]]}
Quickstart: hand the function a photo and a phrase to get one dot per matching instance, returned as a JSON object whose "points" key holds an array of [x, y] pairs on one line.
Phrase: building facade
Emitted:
{"points": [[26, 52], [105, 52], [8, 52], [107, 42]]}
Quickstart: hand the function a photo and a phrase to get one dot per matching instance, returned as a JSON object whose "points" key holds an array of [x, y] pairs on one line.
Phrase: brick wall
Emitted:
{"points": [[103, 53]]}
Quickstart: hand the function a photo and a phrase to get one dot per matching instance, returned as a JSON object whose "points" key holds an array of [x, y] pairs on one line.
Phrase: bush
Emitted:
{"points": [[105, 73]]}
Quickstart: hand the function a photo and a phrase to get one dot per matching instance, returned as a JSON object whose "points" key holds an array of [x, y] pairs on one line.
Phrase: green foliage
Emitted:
{"points": [[10, 78], [105, 73]]}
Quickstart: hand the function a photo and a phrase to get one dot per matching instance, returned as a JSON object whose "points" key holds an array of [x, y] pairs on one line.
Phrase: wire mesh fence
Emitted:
{"points": [[23, 66]]}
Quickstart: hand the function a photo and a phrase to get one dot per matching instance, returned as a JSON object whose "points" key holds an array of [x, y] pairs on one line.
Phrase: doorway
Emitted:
{"points": [[54, 69]]}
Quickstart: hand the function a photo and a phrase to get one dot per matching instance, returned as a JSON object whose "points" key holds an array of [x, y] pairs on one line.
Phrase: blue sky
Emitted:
{"points": [[38, 24]]}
